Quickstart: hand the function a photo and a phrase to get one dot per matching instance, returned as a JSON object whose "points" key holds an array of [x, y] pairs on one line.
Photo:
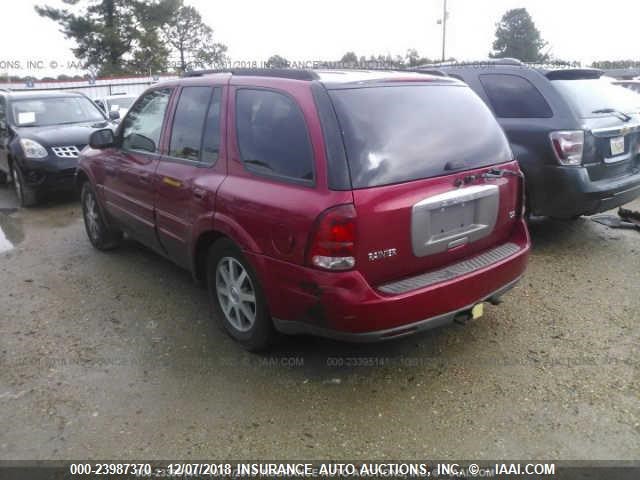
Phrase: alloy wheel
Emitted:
{"points": [[91, 216], [236, 294], [17, 185]]}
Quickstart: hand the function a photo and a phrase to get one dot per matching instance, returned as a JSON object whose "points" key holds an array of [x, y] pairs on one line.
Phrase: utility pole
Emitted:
{"points": [[444, 29]]}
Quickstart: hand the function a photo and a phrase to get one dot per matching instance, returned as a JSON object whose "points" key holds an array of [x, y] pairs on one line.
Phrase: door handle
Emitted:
{"points": [[172, 182], [199, 193]]}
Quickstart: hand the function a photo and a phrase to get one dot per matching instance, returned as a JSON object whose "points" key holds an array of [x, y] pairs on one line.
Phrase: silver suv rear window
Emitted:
{"points": [[396, 134]]}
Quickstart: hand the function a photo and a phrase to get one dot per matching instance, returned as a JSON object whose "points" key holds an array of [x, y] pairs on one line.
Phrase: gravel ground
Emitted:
{"points": [[113, 355]]}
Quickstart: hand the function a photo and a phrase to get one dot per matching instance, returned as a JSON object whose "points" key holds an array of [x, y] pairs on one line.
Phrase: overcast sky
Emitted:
{"points": [[304, 31]]}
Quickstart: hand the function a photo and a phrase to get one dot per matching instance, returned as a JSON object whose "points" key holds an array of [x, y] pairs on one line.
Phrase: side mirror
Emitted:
{"points": [[114, 115], [102, 139]]}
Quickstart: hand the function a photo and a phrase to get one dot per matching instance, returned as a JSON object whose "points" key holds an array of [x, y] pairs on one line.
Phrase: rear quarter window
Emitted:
{"points": [[512, 96], [395, 134], [272, 135]]}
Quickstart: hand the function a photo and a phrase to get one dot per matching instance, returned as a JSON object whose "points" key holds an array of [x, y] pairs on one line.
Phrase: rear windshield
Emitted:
{"points": [[395, 134], [597, 97]]}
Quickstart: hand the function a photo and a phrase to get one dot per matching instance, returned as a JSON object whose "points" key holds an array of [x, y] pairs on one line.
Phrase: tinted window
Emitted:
{"points": [[3, 114], [589, 97], [512, 96], [211, 136], [142, 126], [3, 118], [272, 134], [396, 134], [188, 122]]}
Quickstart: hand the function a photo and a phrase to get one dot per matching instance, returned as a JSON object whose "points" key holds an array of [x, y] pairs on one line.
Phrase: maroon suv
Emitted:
{"points": [[354, 205]]}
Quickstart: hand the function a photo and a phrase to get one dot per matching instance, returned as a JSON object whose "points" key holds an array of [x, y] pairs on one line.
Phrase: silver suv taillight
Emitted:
{"points": [[568, 146]]}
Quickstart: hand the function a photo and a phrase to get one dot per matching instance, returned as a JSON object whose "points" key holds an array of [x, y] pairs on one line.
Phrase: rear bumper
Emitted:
{"points": [[566, 192], [299, 328], [344, 306]]}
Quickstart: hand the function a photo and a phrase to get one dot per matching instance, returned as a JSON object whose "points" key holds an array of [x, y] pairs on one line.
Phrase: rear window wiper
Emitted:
{"points": [[621, 115]]}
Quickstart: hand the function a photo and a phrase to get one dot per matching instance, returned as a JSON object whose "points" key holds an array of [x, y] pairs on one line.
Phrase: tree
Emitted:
{"points": [[518, 37], [413, 59], [276, 61], [192, 39], [115, 36], [349, 59]]}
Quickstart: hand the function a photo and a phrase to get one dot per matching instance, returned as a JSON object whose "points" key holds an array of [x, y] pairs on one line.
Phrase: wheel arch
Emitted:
{"points": [[200, 252], [223, 227], [80, 178]]}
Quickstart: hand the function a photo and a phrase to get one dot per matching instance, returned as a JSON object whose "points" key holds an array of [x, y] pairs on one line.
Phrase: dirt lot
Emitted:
{"points": [[114, 356]]}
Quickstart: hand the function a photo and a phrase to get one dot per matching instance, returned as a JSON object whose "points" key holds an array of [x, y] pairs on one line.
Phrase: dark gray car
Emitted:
{"points": [[41, 136], [575, 134]]}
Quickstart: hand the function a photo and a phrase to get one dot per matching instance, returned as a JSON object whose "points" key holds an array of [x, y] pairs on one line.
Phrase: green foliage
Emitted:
{"points": [[192, 40], [115, 37], [615, 64], [277, 61], [349, 58], [518, 37], [411, 59]]}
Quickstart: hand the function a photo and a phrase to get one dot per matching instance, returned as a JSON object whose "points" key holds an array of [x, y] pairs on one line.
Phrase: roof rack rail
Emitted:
{"points": [[489, 61], [291, 73], [5, 89]]}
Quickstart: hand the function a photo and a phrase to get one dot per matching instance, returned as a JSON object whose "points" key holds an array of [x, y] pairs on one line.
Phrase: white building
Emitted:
{"points": [[93, 88]]}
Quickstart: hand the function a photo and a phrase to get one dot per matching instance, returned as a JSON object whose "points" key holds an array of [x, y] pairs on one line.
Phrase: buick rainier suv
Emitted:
{"points": [[353, 205]]}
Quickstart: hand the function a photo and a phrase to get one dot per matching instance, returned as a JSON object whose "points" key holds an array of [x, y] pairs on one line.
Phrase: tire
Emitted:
{"points": [[27, 197], [236, 298], [100, 234]]}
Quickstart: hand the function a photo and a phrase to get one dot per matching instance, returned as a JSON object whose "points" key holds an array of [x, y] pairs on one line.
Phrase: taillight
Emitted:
{"points": [[521, 204], [332, 243], [568, 146]]}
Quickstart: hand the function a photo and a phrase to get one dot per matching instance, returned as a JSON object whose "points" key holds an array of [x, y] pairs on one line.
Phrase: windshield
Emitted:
{"points": [[123, 102], [596, 97], [395, 134], [37, 112]]}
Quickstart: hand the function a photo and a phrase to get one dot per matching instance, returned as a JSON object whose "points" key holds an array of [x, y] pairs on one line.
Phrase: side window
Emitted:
{"points": [[512, 96], [188, 122], [272, 135], [142, 126], [3, 115]]}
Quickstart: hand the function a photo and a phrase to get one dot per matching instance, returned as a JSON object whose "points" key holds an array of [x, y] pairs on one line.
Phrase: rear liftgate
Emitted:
{"points": [[451, 220]]}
